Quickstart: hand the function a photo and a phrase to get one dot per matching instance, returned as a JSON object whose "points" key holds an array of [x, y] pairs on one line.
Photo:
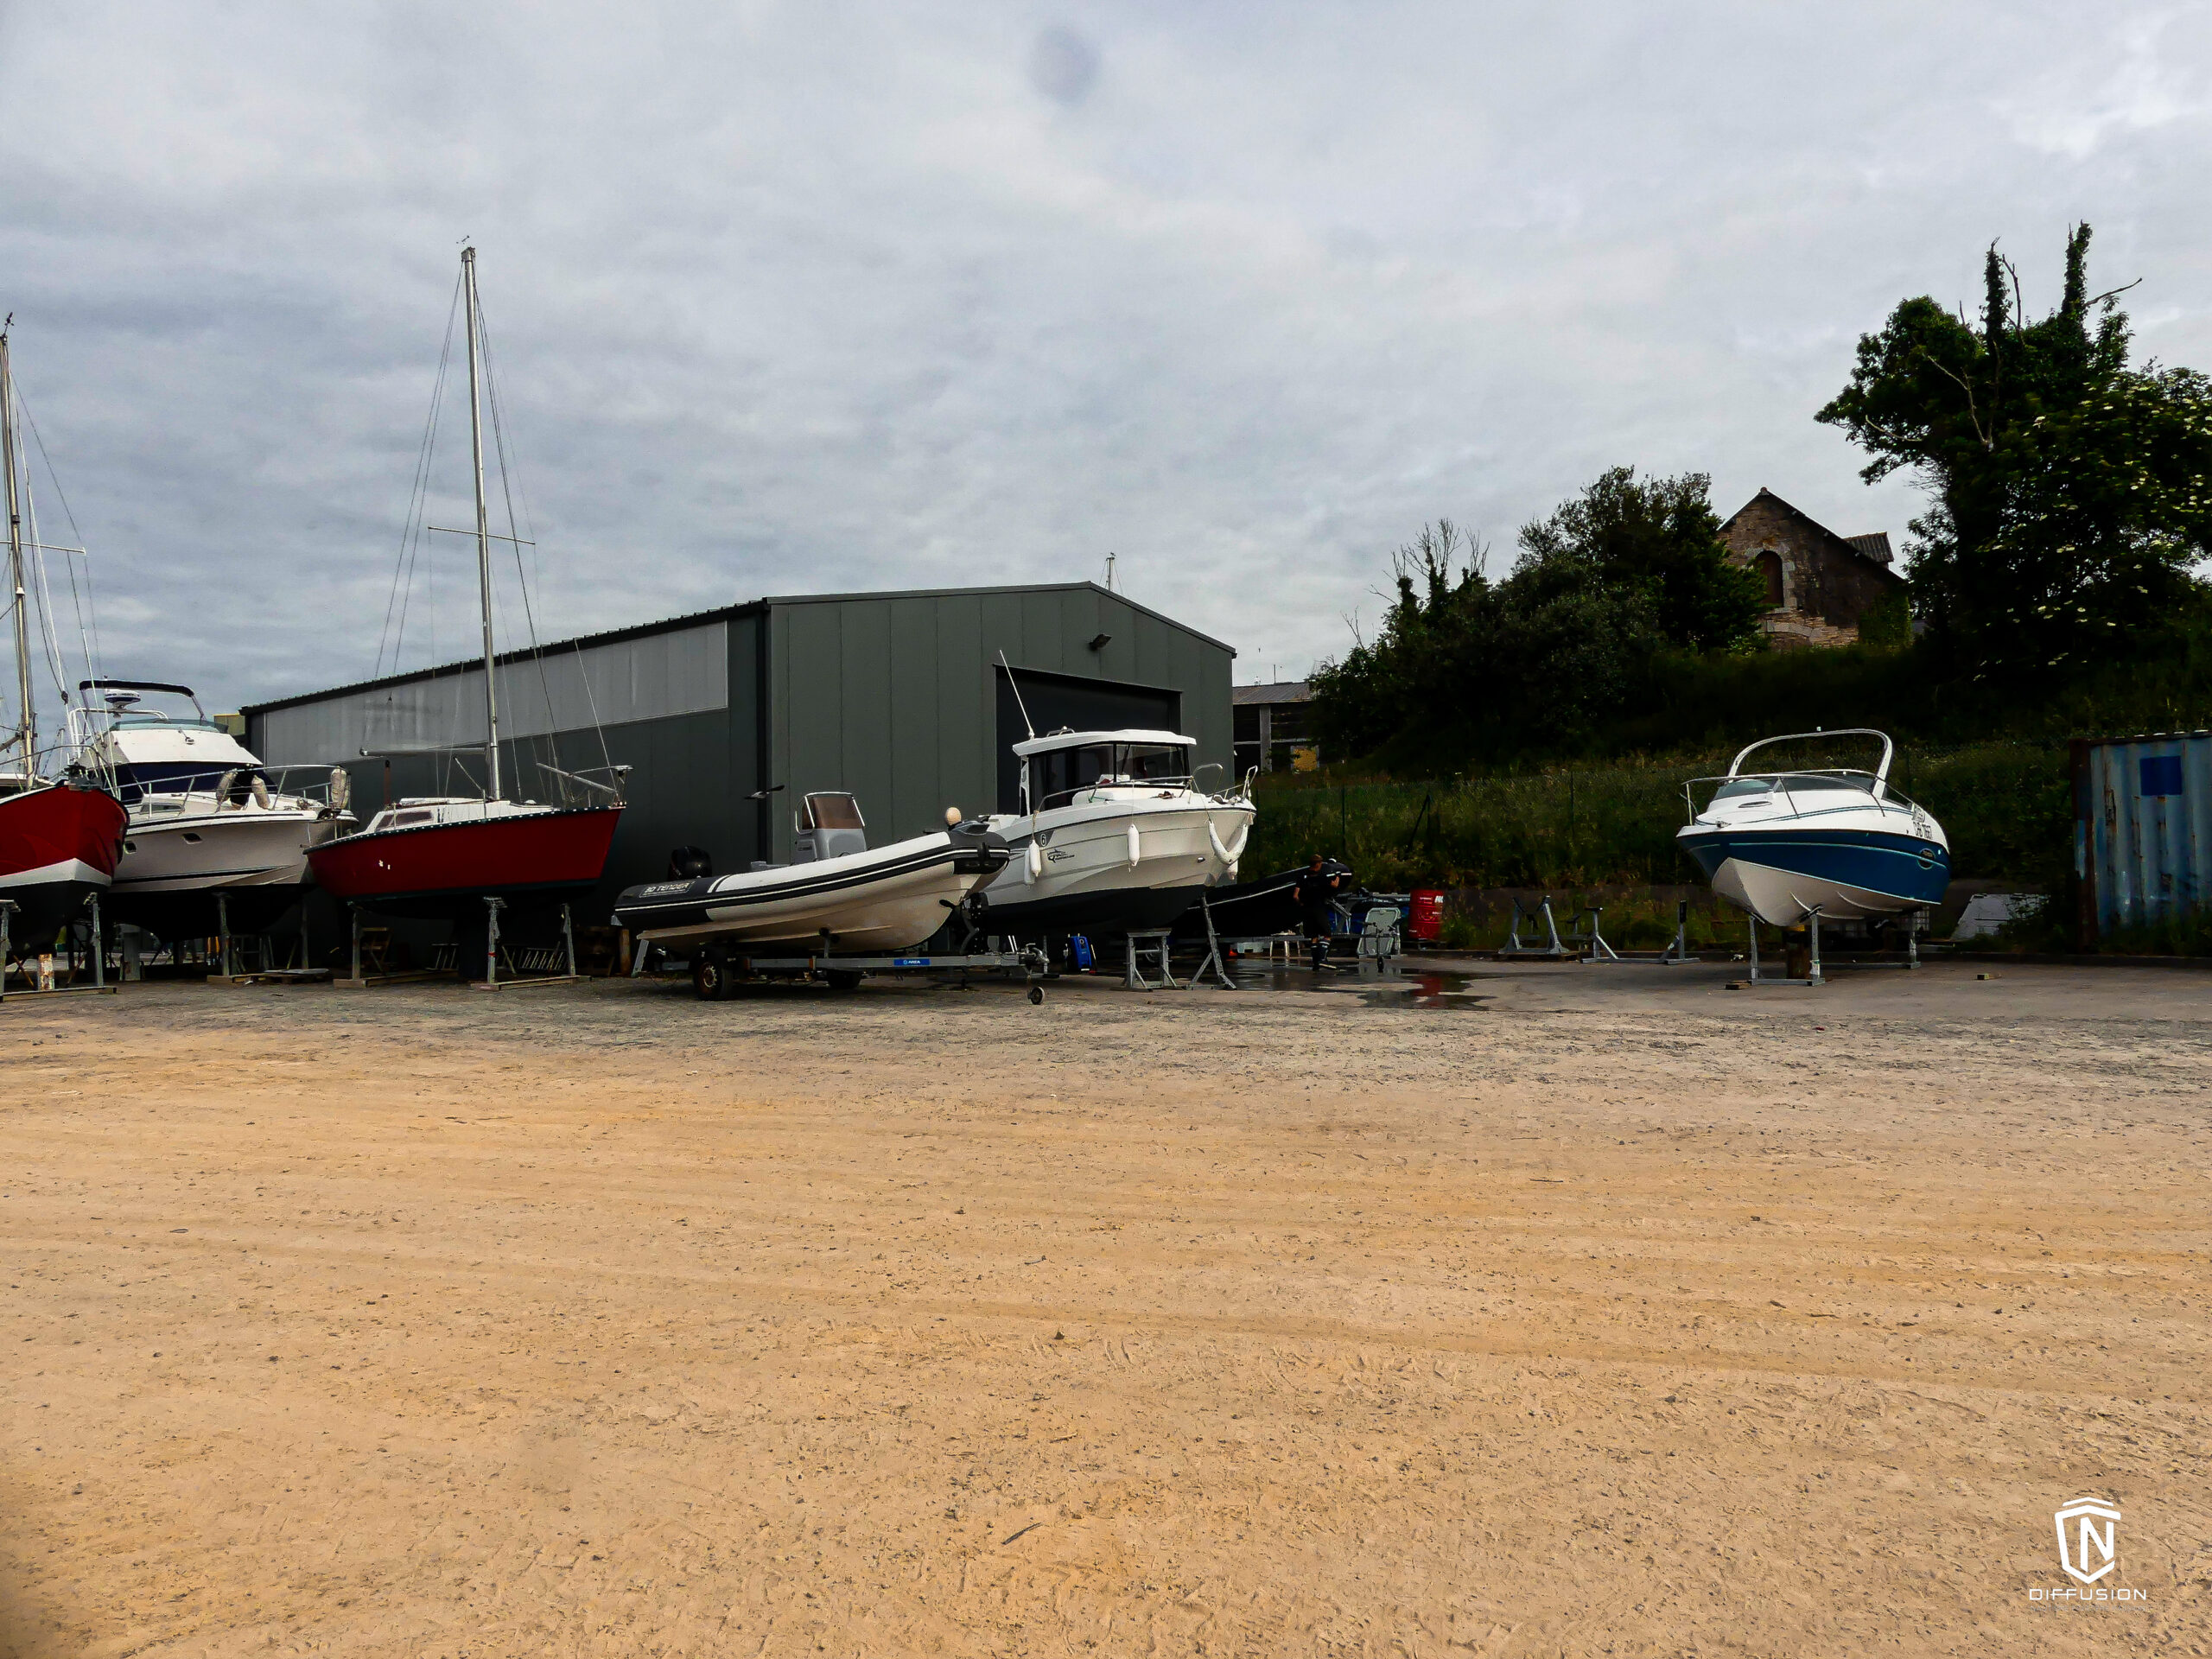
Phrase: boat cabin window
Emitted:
{"points": [[1813, 783], [833, 812], [1056, 776], [1736, 788], [401, 820]]}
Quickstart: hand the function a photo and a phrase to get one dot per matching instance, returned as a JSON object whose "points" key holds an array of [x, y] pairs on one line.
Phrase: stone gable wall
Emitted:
{"points": [[1826, 585]]}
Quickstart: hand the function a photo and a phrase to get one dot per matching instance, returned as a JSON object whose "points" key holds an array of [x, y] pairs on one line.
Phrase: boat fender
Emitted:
{"points": [[1135, 851], [1227, 856], [341, 789], [1033, 866], [952, 818], [227, 791], [261, 792]]}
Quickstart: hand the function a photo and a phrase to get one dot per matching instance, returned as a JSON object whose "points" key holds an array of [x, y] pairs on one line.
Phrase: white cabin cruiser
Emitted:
{"points": [[1113, 835], [838, 895], [206, 818], [1842, 843]]}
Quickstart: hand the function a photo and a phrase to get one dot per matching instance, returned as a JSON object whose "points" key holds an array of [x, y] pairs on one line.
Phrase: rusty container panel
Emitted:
{"points": [[2146, 824]]}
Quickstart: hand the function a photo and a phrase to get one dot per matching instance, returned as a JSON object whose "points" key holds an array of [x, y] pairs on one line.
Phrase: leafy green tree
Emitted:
{"points": [[2070, 490], [1659, 535]]}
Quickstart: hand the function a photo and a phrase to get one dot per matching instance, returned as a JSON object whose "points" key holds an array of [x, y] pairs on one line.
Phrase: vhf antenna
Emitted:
{"points": [[1017, 692]]}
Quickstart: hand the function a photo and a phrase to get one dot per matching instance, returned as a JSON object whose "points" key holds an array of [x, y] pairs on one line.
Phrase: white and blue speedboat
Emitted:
{"points": [[1843, 844]]}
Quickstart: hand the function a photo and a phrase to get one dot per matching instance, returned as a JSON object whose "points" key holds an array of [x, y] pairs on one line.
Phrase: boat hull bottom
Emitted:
{"points": [[1099, 913], [1784, 898]]}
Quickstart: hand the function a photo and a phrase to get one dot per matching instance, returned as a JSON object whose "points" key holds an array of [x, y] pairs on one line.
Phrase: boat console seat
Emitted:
{"points": [[830, 826]]}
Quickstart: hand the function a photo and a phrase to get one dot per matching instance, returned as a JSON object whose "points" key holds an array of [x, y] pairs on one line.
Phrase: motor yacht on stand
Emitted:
{"points": [[1114, 834], [61, 827], [464, 858], [1846, 845], [837, 895], [214, 836]]}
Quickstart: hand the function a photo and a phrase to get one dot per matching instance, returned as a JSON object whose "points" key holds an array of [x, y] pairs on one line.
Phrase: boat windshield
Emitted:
{"points": [[1807, 783], [1056, 776], [833, 812], [1736, 788]]}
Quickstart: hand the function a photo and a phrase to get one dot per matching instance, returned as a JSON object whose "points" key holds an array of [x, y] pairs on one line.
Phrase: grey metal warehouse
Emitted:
{"points": [[896, 696]]}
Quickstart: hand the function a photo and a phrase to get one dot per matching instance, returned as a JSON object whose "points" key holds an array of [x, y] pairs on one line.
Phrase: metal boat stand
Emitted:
{"points": [[99, 987], [1140, 944], [493, 982], [1578, 944], [1513, 947], [1813, 931], [1213, 963]]}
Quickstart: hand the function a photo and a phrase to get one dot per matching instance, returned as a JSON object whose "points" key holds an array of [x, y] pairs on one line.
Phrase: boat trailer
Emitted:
{"points": [[715, 976]]}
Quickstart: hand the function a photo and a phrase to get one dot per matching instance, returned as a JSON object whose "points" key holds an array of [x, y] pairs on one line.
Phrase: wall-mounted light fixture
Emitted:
{"points": [[1100, 641]]}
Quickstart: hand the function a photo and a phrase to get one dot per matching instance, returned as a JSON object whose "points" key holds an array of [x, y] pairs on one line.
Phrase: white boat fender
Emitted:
{"points": [[224, 787], [1033, 866], [1223, 853], [1135, 850], [341, 789], [261, 792]]}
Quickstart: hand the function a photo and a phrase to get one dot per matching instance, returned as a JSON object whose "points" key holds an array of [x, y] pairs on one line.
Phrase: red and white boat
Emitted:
{"points": [[446, 856], [59, 846], [442, 856], [59, 838]]}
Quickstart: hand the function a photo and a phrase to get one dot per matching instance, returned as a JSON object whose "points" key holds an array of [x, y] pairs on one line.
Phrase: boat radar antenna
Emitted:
{"points": [[1017, 693]]}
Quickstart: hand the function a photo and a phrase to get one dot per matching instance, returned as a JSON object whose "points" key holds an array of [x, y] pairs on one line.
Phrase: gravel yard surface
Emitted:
{"points": [[1549, 1311]]}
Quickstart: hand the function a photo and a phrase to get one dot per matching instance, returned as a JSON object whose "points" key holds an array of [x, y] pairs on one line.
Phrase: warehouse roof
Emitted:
{"points": [[720, 613]]}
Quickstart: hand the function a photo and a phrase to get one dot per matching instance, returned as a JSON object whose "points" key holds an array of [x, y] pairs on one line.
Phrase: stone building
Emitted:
{"points": [[1818, 584]]}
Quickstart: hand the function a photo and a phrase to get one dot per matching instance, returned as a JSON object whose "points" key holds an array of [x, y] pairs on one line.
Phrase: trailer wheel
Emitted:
{"points": [[709, 978], [844, 979], [1036, 995]]}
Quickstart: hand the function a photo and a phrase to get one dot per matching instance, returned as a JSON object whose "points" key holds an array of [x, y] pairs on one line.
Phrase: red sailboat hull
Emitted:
{"points": [[58, 845], [449, 870]]}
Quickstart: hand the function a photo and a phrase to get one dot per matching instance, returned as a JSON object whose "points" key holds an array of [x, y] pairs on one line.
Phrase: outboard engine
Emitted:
{"points": [[689, 864]]}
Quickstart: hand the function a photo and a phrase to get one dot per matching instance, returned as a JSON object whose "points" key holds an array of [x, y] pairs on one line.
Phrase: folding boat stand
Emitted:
{"points": [[304, 974], [1813, 931], [1138, 943], [1592, 939], [1813, 925], [99, 987], [492, 982], [1213, 965]]}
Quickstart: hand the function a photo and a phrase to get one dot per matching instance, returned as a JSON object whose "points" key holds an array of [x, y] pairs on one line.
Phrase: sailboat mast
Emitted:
{"points": [[483, 536], [26, 723]]}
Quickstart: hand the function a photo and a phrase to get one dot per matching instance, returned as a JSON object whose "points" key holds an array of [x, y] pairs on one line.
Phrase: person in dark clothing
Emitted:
{"points": [[1316, 887]]}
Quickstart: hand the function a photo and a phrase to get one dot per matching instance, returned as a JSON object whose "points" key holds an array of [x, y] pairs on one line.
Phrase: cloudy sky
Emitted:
{"points": [[817, 297]]}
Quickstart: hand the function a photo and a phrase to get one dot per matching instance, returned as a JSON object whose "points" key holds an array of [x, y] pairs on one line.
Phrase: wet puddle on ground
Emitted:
{"points": [[1381, 990]]}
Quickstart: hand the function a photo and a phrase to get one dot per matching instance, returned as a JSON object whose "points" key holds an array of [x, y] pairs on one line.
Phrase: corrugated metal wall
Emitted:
{"points": [[2143, 826], [893, 696], [683, 672]]}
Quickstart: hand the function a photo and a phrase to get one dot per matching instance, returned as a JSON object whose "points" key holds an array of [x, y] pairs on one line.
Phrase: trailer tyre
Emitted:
{"points": [[1036, 995], [710, 979], [844, 979]]}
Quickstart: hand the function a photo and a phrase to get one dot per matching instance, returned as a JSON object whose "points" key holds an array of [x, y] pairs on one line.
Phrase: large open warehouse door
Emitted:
{"points": [[1079, 704]]}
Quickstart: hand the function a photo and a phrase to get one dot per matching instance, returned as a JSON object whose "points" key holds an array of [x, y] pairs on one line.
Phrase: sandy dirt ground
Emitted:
{"points": [[1588, 1312]]}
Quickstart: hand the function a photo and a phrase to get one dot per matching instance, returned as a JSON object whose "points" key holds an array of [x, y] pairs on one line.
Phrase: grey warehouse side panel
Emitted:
{"points": [[683, 672]]}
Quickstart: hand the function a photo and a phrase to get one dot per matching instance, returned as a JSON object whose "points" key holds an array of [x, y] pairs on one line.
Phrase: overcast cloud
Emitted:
{"points": [[814, 297]]}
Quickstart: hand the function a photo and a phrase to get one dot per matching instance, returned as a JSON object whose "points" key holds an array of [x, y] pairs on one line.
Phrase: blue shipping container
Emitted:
{"points": [[2142, 826]]}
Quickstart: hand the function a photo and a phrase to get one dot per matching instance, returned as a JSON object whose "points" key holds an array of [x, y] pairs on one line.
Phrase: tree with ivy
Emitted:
{"points": [[1616, 577], [2069, 487]]}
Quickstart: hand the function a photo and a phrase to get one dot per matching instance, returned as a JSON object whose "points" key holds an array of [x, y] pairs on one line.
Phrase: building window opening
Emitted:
{"points": [[1769, 570]]}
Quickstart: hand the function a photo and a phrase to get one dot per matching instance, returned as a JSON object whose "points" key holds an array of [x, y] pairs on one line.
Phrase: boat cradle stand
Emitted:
{"points": [[1812, 939], [99, 987]]}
